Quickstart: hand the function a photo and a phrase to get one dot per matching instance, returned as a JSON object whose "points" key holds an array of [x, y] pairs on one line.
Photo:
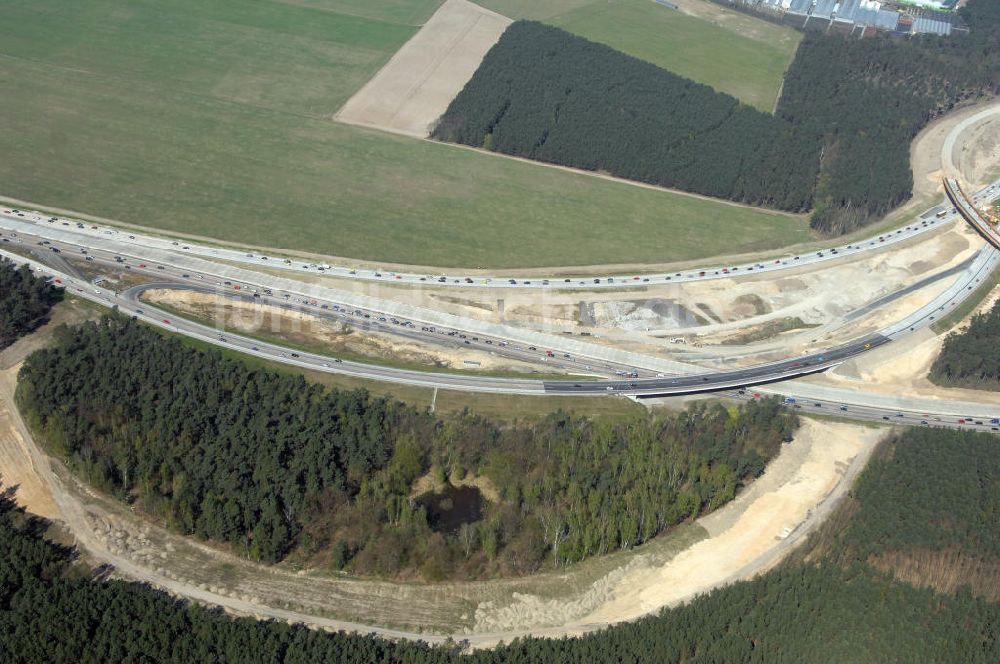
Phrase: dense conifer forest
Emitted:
{"points": [[838, 143], [829, 609], [545, 94], [971, 358], [865, 100], [905, 508], [25, 301], [926, 510], [274, 465]]}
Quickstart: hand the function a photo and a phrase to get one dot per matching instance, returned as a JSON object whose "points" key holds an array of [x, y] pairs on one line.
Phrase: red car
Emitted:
{"points": [[166, 321]]}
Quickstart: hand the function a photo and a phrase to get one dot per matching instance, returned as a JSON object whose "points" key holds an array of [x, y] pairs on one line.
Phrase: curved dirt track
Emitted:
{"points": [[743, 538], [797, 492]]}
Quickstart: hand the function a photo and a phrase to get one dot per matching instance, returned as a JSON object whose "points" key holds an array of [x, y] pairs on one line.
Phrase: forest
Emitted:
{"points": [[838, 143], [823, 610], [927, 508], [25, 301], [971, 358], [275, 466], [865, 100], [958, 508], [545, 94]]}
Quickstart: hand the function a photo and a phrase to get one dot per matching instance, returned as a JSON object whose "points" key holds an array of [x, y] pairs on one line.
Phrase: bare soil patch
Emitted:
{"points": [[730, 19], [17, 467], [307, 330], [902, 367], [978, 156], [414, 88]]}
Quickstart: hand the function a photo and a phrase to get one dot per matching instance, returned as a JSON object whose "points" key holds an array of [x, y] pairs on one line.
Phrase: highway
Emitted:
{"points": [[970, 213], [137, 244], [374, 321], [633, 380], [637, 380], [846, 409], [733, 384]]}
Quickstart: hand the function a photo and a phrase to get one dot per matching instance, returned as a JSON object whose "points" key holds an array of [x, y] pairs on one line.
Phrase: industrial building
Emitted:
{"points": [[852, 17]]}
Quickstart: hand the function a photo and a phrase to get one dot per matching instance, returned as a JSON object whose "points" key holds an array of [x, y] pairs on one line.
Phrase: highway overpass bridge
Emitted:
{"points": [[970, 213]]}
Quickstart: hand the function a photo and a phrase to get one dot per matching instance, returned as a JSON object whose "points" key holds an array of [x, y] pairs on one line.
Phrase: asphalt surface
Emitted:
{"points": [[721, 380], [912, 288], [970, 213], [637, 382], [931, 219], [631, 380]]}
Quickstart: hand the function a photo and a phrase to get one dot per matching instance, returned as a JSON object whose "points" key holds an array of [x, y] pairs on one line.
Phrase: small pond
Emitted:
{"points": [[448, 510]]}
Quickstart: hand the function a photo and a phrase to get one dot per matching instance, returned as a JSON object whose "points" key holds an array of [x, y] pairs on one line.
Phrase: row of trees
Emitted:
{"points": [[274, 465], [971, 358], [25, 301], [54, 612], [545, 94], [838, 144]]}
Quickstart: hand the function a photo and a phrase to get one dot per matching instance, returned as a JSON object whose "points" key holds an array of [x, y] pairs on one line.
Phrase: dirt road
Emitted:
{"points": [[808, 475]]}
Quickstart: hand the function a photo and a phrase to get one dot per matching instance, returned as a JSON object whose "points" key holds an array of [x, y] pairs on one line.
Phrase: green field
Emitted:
{"points": [[407, 12], [212, 117], [747, 58], [535, 10]]}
